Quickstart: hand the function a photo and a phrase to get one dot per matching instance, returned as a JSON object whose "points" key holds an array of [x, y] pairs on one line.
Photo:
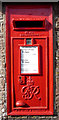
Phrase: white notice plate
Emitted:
{"points": [[29, 59]]}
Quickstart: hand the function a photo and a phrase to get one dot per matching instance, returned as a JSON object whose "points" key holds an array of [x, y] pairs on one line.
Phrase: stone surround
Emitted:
{"points": [[3, 84]]}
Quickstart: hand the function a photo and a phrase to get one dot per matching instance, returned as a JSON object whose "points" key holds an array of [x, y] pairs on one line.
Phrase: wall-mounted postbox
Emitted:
{"points": [[29, 59]]}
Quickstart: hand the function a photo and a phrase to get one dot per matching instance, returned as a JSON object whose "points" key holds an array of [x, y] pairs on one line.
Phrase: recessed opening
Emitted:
{"points": [[22, 24], [28, 41]]}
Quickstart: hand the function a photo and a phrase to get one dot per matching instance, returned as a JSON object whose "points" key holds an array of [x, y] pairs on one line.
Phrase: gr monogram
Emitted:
{"points": [[29, 90]]}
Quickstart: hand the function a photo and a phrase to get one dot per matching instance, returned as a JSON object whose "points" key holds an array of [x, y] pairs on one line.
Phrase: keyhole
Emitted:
{"points": [[20, 79]]}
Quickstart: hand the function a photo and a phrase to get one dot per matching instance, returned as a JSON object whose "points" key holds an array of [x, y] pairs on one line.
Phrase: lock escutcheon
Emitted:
{"points": [[21, 80]]}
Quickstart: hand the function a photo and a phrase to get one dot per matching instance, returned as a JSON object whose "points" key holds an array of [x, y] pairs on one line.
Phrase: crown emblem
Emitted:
{"points": [[30, 81]]}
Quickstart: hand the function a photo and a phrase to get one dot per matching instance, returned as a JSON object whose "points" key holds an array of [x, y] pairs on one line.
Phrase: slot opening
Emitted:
{"points": [[28, 24]]}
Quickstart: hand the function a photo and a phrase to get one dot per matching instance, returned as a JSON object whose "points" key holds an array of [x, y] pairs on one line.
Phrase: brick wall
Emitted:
{"points": [[3, 88]]}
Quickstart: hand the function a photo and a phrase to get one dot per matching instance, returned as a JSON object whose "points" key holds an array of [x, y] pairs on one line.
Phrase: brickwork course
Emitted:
{"points": [[3, 84]]}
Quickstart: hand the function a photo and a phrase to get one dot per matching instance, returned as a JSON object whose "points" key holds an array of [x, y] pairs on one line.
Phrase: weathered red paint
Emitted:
{"points": [[29, 93]]}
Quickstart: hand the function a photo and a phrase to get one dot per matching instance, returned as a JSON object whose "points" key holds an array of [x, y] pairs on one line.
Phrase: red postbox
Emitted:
{"points": [[29, 59]]}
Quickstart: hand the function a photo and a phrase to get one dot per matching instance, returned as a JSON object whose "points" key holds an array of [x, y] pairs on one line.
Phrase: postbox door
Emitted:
{"points": [[30, 72]]}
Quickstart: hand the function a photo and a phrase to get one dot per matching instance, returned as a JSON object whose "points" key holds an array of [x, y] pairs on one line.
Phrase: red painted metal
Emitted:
{"points": [[29, 93]]}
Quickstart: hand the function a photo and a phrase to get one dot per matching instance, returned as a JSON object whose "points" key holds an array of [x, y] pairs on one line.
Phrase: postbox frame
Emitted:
{"points": [[9, 72]]}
